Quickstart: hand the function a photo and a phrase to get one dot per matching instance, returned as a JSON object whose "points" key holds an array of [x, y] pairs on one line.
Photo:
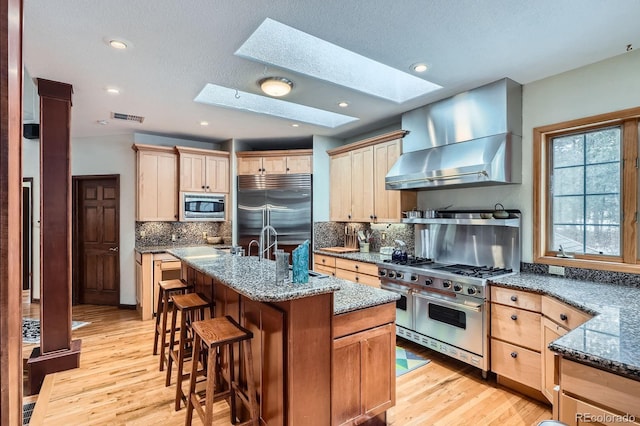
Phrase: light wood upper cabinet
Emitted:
{"points": [[277, 162], [157, 183], [366, 199], [203, 170]]}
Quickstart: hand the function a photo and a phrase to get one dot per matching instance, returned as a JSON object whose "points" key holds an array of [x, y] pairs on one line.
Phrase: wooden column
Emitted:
{"points": [[10, 211], [56, 352]]}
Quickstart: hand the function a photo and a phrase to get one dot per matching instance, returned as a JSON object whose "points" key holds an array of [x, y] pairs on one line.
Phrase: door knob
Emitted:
{"points": [[113, 248]]}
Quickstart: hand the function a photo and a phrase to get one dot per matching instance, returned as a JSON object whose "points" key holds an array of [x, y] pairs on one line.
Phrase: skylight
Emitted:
{"points": [[279, 45], [213, 94]]}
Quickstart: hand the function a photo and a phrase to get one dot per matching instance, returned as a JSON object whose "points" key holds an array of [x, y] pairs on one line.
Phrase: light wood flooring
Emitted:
{"points": [[118, 383]]}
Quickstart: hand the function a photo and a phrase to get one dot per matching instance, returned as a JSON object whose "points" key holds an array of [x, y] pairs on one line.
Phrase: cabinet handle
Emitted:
{"points": [[207, 186], [202, 186], [288, 169], [349, 216], [324, 260], [514, 354], [514, 298], [563, 317], [356, 266], [514, 317], [357, 278], [370, 216], [375, 217]]}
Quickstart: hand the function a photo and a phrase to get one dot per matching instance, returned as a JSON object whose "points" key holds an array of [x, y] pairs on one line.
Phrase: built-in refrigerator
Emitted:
{"points": [[282, 201]]}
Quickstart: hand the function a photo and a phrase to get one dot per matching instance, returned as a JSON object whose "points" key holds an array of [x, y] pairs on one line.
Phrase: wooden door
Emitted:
{"points": [[299, 164], [217, 174], [362, 185], [192, 172], [340, 188], [98, 238], [346, 387], [249, 165], [379, 378]]}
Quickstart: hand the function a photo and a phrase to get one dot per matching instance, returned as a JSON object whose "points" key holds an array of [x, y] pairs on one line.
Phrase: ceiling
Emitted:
{"points": [[177, 47]]}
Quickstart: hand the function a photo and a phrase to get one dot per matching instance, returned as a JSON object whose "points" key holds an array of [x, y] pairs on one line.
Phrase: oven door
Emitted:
{"points": [[457, 321], [404, 305]]}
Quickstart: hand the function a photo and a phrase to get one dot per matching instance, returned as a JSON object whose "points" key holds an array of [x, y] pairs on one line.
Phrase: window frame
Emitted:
{"points": [[629, 120]]}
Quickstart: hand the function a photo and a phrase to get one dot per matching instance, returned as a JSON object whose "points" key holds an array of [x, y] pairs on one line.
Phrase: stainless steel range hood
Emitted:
{"points": [[470, 139]]}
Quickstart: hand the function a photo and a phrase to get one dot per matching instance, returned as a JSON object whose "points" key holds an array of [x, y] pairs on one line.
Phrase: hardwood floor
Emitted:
{"points": [[118, 383]]}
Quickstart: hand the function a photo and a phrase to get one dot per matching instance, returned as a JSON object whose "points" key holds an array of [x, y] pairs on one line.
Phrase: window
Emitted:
{"points": [[585, 189]]}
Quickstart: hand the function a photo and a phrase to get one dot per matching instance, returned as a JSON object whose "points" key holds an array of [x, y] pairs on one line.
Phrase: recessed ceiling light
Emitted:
{"points": [[343, 104], [419, 67], [204, 123], [295, 125], [276, 86], [117, 44], [113, 90], [102, 122]]}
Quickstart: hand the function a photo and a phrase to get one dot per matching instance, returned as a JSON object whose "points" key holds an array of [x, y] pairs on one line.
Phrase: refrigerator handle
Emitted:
{"points": [[268, 215], [264, 215]]}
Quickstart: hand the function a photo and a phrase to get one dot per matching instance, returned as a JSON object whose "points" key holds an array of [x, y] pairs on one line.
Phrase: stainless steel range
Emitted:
{"points": [[444, 297]]}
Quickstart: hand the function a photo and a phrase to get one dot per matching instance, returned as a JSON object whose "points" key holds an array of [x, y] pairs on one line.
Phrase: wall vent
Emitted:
{"points": [[127, 117]]}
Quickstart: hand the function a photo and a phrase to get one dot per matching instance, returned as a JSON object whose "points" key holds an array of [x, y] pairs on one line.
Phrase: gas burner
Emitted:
{"points": [[411, 261], [476, 271]]}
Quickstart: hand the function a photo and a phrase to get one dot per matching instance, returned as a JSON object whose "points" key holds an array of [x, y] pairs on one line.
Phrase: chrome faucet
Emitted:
{"points": [[249, 247], [267, 232]]}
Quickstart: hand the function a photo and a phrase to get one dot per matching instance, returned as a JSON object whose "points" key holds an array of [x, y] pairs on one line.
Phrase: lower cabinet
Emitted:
{"points": [[590, 396], [364, 379], [350, 270]]}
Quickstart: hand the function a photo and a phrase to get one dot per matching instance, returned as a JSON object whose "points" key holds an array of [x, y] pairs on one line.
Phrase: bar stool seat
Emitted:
{"points": [[191, 308], [167, 289], [212, 337]]}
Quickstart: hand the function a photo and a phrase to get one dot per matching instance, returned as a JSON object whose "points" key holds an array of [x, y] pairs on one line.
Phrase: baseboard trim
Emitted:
{"points": [[123, 306]]}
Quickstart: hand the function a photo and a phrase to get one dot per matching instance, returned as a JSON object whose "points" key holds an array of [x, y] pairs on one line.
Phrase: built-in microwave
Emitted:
{"points": [[202, 206]]}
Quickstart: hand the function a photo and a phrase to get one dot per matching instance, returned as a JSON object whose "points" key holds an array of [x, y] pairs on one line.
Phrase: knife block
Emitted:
{"points": [[351, 241]]}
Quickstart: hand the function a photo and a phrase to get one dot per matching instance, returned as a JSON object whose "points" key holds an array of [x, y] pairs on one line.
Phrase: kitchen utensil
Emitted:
{"points": [[429, 214], [499, 212], [413, 214], [400, 253], [486, 215], [214, 240]]}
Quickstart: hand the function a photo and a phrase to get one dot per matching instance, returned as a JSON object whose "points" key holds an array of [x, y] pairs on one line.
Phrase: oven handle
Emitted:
{"points": [[454, 305], [397, 289]]}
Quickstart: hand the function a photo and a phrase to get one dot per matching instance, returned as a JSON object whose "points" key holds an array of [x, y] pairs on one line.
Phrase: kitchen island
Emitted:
{"points": [[324, 351]]}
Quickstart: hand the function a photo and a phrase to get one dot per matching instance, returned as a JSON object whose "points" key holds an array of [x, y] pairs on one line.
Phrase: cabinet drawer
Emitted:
{"points": [[324, 269], [579, 413], [321, 259], [516, 363], [609, 390], [358, 277], [516, 298], [563, 314], [516, 326], [362, 267], [170, 266]]}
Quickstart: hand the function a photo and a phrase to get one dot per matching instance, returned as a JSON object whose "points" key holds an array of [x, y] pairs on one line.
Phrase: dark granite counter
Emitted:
{"points": [[256, 280], [611, 339]]}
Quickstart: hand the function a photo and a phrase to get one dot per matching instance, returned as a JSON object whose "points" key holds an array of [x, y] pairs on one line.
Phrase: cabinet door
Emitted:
{"points": [[299, 164], [379, 362], [157, 187], [346, 401], [249, 165], [217, 174], [192, 172], [274, 165], [550, 332], [362, 185], [387, 202], [340, 190]]}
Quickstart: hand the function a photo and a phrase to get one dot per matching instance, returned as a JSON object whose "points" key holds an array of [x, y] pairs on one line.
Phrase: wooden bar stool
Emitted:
{"points": [[167, 289], [213, 336], [191, 308]]}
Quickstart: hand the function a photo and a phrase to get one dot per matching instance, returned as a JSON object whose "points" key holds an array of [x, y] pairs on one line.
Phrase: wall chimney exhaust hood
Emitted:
{"points": [[471, 139]]}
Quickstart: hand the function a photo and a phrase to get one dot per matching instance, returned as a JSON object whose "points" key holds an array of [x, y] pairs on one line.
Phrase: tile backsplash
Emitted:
{"points": [[159, 233], [332, 234]]}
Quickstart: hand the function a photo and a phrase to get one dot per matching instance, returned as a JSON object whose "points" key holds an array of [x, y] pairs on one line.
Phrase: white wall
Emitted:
{"points": [[598, 88], [321, 176]]}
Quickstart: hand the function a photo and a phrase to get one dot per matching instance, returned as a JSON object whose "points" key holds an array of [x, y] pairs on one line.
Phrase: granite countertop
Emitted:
{"points": [[164, 248], [370, 257], [611, 339], [255, 279]]}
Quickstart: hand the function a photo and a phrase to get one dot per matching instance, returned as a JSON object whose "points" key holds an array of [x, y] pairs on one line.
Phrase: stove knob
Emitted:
{"points": [[446, 284], [428, 281], [472, 290], [382, 272], [391, 274], [399, 275], [457, 287], [413, 277]]}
